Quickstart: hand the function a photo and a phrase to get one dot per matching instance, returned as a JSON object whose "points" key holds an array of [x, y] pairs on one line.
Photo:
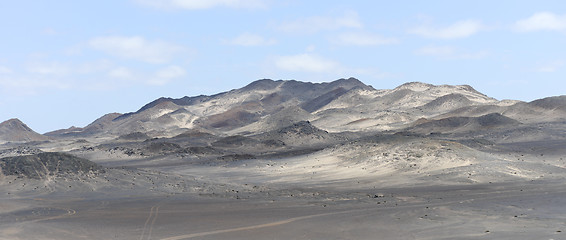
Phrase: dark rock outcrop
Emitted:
{"points": [[42, 165]]}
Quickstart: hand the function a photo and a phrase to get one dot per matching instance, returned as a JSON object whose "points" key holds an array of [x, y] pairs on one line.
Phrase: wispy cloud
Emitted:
{"points": [[316, 66], [552, 66], [449, 52], [48, 31], [158, 77], [363, 39], [121, 73], [102, 75], [166, 75], [249, 39], [5, 70], [315, 24], [202, 4], [305, 63], [542, 21], [40, 76], [31, 84], [55, 68], [460, 29], [50, 68], [437, 51], [137, 48]]}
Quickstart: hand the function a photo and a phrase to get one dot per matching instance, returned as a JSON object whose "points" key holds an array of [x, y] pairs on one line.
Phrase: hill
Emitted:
{"points": [[44, 165], [14, 130]]}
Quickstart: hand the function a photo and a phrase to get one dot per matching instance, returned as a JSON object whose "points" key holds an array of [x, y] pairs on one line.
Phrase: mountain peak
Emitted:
{"points": [[350, 80], [415, 86], [262, 84], [15, 130], [347, 83], [420, 86], [14, 124]]}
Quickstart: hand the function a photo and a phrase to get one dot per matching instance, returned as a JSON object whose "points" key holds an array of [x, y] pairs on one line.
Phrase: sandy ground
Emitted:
{"points": [[530, 210], [413, 189]]}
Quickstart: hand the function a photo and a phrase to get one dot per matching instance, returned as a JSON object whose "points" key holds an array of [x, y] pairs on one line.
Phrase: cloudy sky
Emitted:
{"points": [[65, 63]]}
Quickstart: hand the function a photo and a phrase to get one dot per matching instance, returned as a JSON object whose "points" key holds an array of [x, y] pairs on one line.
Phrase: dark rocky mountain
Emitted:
{"points": [[14, 130], [301, 133]]}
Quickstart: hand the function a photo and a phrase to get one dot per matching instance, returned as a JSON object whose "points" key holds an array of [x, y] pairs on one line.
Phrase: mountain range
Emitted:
{"points": [[338, 106], [294, 160]]}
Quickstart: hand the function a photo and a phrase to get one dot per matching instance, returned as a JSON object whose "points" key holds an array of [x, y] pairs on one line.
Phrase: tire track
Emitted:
{"points": [[149, 222], [70, 212], [153, 222], [253, 227]]}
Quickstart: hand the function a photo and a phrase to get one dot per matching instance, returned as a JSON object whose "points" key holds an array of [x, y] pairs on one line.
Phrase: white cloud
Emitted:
{"points": [[48, 31], [50, 68], [64, 69], [158, 78], [137, 48], [305, 63], [43, 76], [74, 50], [121, 73], [30, 85], [91, 67], [248, 39], [5, 70], [318, 68], [166, 75], [473, 55], [310, 48], [363, 39], [449, 52], [101, 75], [202, 4], [551, 66], [442, 51], [460, 29], [171, 72], [315, 24], [542, 21]]}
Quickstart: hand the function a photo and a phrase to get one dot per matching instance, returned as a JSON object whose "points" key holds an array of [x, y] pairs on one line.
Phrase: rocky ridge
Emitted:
{"points": [[338, 106]]}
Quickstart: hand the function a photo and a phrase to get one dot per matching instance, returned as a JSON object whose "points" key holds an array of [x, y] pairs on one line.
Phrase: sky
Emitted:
{"points": [[65, 63]]}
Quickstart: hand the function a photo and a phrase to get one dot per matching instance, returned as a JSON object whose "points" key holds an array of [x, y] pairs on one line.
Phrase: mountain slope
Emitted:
{"points": [[14, 130]]}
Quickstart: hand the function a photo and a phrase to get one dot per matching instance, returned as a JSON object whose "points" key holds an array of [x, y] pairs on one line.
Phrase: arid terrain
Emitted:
{"points": [[295, 160]]}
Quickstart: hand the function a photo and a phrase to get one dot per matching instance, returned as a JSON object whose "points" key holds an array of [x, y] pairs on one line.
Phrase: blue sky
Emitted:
{"points": [[66, 63]]}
